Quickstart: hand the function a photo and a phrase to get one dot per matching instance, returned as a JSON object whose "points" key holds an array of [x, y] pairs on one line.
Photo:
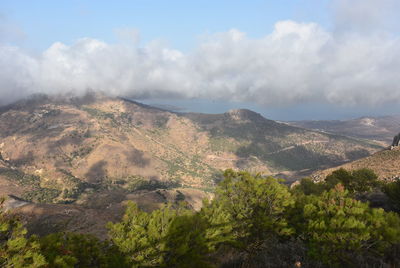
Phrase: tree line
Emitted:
{"points": [[252, 221]]}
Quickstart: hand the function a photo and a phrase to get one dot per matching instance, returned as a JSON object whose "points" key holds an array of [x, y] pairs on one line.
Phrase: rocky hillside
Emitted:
{"points": [[385, 163], [373, 128], [89, 155], [66, 149]]}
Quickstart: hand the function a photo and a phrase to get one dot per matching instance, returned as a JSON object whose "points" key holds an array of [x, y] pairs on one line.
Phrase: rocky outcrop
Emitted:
{"points": [[396, 140]]}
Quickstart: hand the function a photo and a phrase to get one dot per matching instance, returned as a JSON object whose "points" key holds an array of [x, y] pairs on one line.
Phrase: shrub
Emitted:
{"points": [[254, 208], [308, 187], [79, 250], [338, 228], [141, 235], [16, 250], [361, 180], [392, 190]]}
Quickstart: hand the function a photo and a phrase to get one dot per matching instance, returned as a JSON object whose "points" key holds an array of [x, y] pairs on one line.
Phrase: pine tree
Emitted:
{"points": [[15, 249], [356, 181], [187, 244], [80, 250], [141, 236], [337, 228], [392, 190], [254, 206]]}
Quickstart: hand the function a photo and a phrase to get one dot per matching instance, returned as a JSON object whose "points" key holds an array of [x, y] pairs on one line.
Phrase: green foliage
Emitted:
{"points": [[78, 250], [37, 194], [338, 228], [42, 195], [141, 236], [255, 218], [361, 180], [166, 237], [186, 244], [392, 190], [223, 144], [220, 227], [255, 207], [308, 187], [135, 183], [20, 177], [98, 113], [15, 249]]}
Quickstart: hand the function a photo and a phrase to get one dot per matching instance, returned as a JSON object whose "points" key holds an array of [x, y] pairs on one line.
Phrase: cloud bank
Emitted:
{"points": [[296, 63]]}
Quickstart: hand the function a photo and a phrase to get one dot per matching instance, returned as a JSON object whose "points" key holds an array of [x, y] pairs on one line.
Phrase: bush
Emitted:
{"points": [[15, 249], [339, 229], [361, 180], [253, 207], [79, 250], [141, 235], [186, 244], [392, 190], [307, 186]]}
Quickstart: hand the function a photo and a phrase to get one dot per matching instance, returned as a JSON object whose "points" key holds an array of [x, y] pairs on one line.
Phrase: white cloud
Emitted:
{"points": [[297, 62], [365, 16]]}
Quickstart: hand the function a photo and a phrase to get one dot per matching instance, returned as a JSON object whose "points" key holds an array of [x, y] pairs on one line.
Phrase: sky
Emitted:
{"points": [[288, 59]]}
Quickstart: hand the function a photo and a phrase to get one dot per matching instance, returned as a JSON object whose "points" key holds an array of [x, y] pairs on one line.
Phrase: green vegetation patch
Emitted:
{"points": [[98, 113], [37, 194], [135, 183], [193, 167], [42, 195], [73, 187], [20, 177], [223, 144]]}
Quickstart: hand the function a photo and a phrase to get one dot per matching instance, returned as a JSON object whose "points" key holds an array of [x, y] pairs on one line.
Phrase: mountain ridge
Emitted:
{"points": [[95, 152], [78, 118]]}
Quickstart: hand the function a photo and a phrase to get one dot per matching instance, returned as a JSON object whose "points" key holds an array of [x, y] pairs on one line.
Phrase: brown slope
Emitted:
{"points": [[97, 142], [283, 148], [385, 163], [97, 152]]}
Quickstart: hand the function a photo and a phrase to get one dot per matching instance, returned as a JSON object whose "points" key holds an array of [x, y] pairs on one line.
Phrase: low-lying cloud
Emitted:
{"points": [[297, 62]]}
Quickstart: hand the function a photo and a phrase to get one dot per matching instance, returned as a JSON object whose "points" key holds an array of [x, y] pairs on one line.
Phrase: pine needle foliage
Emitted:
{"points": [[16, 250], [255, 207], [338, 228], [80, 250]]}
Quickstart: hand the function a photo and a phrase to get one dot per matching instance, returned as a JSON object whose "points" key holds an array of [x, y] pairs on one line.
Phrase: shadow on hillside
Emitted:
{"points": [[97, 172], [298, 157], [137, 158], [23, 160], [356, 154]]}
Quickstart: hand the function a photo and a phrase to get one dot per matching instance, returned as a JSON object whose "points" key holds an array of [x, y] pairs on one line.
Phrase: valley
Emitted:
{"points": [[93, 153]]}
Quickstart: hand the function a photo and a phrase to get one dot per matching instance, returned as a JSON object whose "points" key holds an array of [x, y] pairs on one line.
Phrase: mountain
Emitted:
{"points": [[88, 155], [373, 128]]}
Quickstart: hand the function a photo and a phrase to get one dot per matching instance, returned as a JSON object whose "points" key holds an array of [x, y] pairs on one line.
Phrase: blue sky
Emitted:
{"points": [[289, 59], [180, 23]]}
